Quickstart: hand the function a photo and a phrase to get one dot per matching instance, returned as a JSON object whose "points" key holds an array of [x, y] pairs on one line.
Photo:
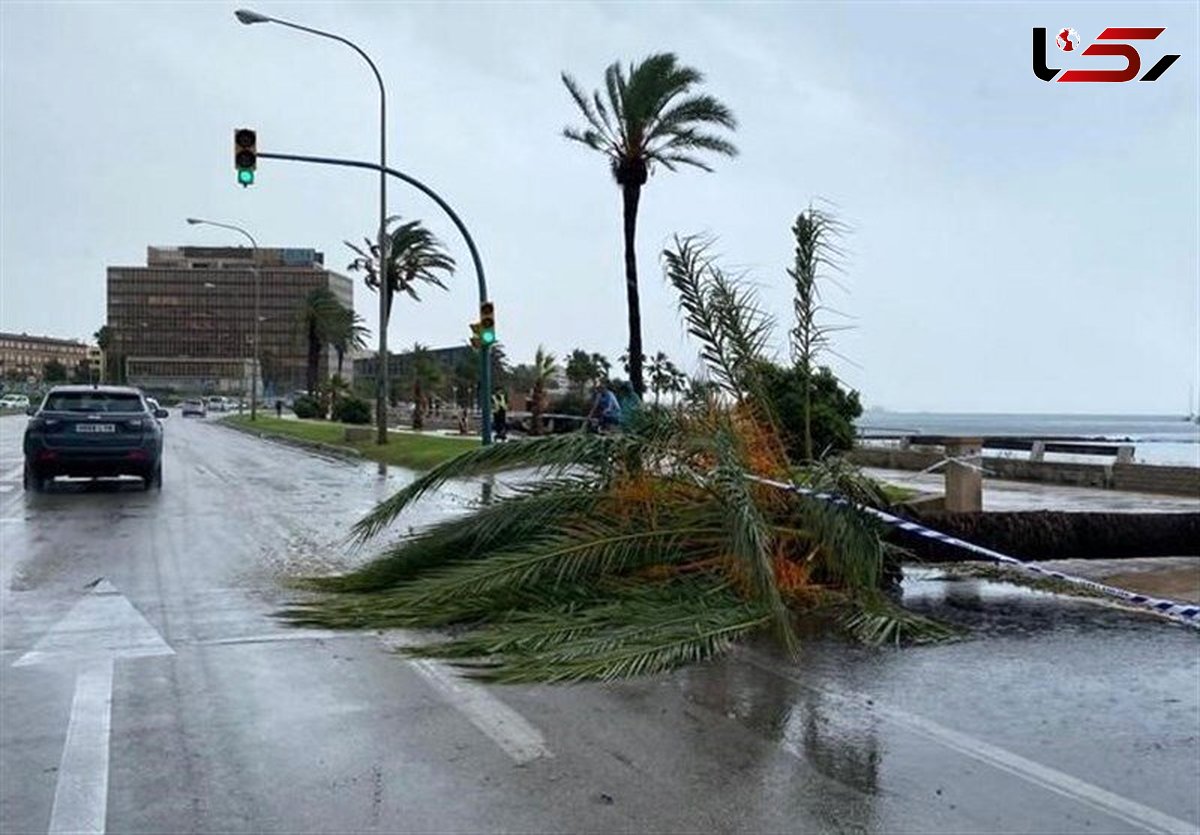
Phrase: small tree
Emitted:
{"points": [[581, 369], [54, 372], [544, 369], [816, 232], [814, 413]]}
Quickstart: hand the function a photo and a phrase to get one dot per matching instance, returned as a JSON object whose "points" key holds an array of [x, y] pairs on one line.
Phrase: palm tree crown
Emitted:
{"points": [[415, 256], [651, 116]]}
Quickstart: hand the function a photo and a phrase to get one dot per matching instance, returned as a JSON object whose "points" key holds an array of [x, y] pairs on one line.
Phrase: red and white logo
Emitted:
{"points": [[1107, 44]]}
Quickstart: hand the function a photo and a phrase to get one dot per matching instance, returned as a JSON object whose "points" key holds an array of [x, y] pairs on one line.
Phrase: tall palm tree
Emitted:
{"points": [[652, 116], [415, 256], [318, 316], [349, 335], [544, 369], [425, 375], [106, 342], [665, 376]]}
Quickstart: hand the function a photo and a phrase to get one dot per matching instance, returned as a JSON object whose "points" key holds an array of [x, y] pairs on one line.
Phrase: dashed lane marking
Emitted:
{"points": [[507, 728]]}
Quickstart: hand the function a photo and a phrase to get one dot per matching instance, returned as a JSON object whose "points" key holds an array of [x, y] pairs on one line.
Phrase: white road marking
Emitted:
{"points": [[81, 796], [14, 474], [99, 629], [6, 488], [274, 637], [103, 624], [507, 728], [1061, 783]]}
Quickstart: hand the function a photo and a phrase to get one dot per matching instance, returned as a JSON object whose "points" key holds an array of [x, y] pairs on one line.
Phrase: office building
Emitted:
{"points": [[185, 320]]}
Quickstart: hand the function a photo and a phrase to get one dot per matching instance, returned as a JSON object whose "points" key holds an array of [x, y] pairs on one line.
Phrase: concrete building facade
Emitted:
{"points": [[23, 357], [185, 320]]}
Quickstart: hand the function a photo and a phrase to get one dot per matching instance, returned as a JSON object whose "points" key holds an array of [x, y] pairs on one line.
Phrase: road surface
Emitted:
{"points": [[146, 688]]}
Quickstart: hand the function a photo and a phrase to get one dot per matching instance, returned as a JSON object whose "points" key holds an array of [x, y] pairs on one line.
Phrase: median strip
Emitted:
{"points": [[404, 449]]}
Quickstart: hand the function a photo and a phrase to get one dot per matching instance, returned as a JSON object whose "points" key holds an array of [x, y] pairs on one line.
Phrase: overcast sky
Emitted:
{"points": [[1017, 245]]}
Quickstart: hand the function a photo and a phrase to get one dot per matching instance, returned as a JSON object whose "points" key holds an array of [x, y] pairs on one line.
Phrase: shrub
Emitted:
{"points": [[307, 406], [352, 410], [834, 410]]}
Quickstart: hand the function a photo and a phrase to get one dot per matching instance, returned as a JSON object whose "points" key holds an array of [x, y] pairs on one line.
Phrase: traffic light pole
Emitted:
{"points": [[485, 365]]}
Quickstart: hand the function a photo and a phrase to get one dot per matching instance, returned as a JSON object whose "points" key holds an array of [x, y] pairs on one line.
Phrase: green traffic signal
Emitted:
{"points": [[488, 336], [246, 177]]}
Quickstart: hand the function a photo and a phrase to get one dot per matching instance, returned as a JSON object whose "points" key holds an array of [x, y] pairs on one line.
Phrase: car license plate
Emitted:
{"points": [[95, 427]]}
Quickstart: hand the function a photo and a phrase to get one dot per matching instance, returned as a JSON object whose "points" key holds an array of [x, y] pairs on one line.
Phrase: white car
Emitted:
{"points": [[14, 401], [215, 403], [193, 406]]}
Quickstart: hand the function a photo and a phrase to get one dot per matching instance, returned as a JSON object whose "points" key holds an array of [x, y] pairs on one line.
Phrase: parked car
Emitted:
{"points": [[14, 401], [215, 403], [93, 431], [193, 406]]}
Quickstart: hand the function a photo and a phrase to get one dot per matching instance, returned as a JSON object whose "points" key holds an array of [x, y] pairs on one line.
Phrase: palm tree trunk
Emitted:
{"points": [[631, 193], [341, 356], [314, 358], [808, 450]]}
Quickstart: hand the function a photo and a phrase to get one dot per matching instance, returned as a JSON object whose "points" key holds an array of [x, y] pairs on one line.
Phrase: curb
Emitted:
{"points": [[345, 452]]}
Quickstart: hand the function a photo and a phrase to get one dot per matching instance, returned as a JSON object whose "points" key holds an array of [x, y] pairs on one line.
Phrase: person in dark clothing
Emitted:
{"points": [[500, 415], [278, 408]]}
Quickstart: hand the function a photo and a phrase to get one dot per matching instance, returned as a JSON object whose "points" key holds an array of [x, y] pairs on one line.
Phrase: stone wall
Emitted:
{"points": [[1138, 478]]}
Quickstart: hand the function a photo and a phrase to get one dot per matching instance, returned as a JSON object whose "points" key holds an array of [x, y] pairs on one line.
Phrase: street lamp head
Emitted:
{"points": [[192, 221], [247, 17]]}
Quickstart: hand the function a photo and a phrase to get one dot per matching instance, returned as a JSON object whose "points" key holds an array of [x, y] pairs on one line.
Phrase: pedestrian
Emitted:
{"points": [[500, 415], [606, 409], [279, 408]]}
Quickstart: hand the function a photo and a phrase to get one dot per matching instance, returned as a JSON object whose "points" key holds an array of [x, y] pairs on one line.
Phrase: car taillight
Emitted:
{"points": [[136, 423], [137, 454], [43, 423]]}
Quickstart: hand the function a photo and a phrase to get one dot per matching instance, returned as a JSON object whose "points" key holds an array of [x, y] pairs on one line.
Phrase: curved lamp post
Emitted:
{"points": [[195, 221], [249, 17]]}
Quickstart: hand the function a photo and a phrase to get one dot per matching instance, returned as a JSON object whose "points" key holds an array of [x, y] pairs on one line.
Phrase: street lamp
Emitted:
{"points": [[195, 221], [249, 17]]}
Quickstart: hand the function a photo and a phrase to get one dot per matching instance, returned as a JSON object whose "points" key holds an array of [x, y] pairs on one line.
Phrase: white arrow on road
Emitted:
{"points": [[99, 629]]}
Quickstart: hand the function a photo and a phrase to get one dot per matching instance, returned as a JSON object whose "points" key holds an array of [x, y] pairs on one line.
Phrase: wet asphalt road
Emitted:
{"points": [[141, 622]]}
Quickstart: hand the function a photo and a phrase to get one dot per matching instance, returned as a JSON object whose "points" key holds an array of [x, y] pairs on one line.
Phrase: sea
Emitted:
{"points": [[1157, 439]]}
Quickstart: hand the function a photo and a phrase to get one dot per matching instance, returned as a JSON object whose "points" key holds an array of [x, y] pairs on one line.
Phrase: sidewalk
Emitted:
{"points": [[1021, 495]]}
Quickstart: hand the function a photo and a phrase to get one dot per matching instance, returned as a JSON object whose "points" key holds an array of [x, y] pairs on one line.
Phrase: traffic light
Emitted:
{"points": [[487, 323], [476, 342], [245, 155]]}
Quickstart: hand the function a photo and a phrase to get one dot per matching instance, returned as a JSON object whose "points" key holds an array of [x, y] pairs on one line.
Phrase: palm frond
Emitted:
{"points": [[552, 456], [750, 535], [627, 632], [585, 107], [875, 621], [517, 518]]}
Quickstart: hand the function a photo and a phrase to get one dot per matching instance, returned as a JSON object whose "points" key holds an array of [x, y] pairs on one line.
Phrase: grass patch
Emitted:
{"points": [[897, 494], [405, 449]]}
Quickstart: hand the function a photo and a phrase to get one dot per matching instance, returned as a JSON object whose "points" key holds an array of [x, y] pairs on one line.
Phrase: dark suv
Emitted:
{"points": [[93, 431]]}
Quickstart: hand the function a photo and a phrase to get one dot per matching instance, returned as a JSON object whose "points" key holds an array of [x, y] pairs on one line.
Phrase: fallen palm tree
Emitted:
{"points": [[637, 552]]}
